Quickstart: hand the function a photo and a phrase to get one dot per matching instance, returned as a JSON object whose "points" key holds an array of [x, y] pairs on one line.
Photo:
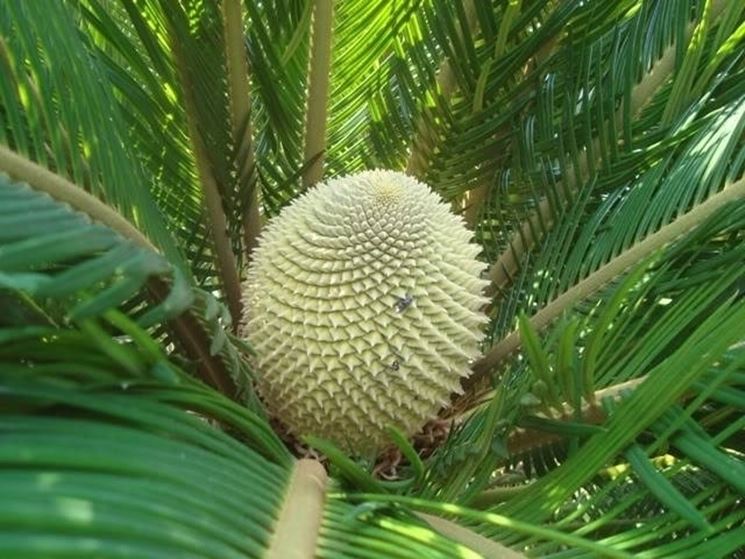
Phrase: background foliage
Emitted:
{"points": [[595, 148]]}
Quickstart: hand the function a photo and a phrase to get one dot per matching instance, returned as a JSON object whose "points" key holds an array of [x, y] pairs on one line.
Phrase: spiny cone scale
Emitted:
{"points": [[363, 306]]}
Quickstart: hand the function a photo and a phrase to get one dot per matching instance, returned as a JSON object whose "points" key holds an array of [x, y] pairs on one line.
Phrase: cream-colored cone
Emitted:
{"points": [[363, 305]]}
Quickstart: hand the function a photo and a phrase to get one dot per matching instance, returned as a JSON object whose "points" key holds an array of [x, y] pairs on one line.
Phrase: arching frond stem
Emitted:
{"points": [[226, 262], [605, 274], [512, 524], [488, 549], [59, 188], [195, 343]]}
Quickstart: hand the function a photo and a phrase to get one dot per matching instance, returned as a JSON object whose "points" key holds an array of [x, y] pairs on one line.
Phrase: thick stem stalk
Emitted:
{"points": [[240, 111], [299, 521], [318, 91], [225, 259]]}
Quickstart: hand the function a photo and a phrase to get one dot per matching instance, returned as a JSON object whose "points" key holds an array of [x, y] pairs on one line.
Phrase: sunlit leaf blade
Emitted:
{"points": [[66, 256], [595, 148], [53, 96]]}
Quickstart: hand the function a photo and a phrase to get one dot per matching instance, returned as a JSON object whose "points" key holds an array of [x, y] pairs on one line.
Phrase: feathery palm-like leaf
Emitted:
{"points": [[595, 148]]}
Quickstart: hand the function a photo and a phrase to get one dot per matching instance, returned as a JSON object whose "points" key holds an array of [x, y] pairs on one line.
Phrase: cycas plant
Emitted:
{"points": [[595, 149]]}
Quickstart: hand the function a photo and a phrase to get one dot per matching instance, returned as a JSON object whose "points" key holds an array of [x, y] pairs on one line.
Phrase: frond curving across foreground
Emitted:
{"points": [[363, 304]]}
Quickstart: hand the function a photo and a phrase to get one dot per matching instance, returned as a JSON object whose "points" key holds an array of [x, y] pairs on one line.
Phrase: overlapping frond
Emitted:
{"points": [[206, 183], [53, 96], [62, 249], [688, 177], [49, 250], [597, 374], [109, 454], [138, 65], [596, 148], [600, 109]]}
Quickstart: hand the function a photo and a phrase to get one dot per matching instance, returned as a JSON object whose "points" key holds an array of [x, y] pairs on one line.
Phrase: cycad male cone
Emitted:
{"points": [[363, 303]]}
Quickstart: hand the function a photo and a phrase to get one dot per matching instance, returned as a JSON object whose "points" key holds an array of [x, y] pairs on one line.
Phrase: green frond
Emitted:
{"points": [[594, 148], [53, 94], [81, 482], [47, 250]]}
